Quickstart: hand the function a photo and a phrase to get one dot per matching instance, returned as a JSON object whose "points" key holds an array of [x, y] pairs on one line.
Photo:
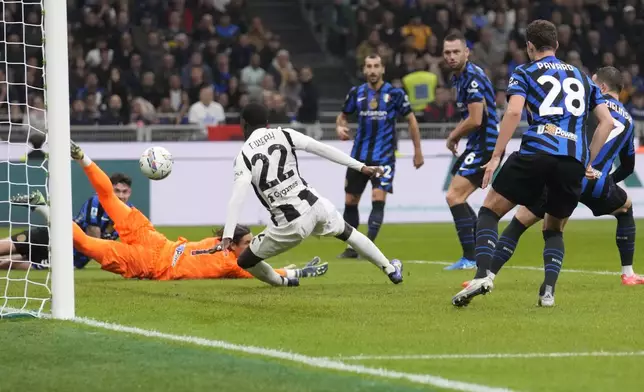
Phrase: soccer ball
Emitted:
{"points": [[156, 163]]}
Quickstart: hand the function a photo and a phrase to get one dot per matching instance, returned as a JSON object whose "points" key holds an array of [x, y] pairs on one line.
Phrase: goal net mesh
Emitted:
{"points": [[24, 250]]}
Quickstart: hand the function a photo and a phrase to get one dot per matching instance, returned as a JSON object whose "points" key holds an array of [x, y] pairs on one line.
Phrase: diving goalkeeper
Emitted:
{"points": [[144, 253]]}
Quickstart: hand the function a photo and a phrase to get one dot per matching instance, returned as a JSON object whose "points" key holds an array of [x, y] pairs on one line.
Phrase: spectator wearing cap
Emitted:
{"points": [[206, 111]]}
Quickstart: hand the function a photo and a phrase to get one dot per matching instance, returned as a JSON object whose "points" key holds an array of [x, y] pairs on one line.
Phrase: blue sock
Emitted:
{"points": [[351, 215], [507, 244], [375, 219], [553, 255], [465, 223], [625, 236], [487, 234]]}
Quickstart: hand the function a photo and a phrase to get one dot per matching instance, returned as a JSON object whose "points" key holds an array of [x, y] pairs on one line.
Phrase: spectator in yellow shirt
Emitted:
{"points": [[419, 31]]}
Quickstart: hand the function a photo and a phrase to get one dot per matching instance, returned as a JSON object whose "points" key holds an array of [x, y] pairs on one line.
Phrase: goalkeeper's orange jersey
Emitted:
{"points": [[192, 260]]}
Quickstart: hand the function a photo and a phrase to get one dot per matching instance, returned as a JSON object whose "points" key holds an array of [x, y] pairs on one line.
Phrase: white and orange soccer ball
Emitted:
{"points": [[156, 163]]}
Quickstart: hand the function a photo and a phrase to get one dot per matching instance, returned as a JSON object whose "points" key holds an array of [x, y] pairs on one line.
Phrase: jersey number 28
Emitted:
{"points": [[573, 96], [264, 184]]}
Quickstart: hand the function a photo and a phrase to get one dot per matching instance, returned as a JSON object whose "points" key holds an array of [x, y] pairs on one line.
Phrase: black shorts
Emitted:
{"points": [[524, 178], [33, 245], [608, 202], [355, 182], [468, 165]]}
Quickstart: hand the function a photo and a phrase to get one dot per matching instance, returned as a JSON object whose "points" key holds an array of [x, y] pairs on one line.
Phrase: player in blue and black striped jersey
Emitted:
{"points": [[554, 156], [32, 246], [475, 99], [377, 105], [601, 195]]}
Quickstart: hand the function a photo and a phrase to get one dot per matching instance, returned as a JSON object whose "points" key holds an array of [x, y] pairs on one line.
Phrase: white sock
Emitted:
{"points": [[43, 210], [627, 270], [86, 161], [267, 274], [291, 273], [368, 249], [491, 275]]}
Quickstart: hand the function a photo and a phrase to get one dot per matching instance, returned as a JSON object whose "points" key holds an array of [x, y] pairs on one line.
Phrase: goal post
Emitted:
{"points": [[60, 180]]}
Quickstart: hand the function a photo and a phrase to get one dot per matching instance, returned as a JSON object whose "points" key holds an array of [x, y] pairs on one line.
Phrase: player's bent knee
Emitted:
{"points": [[485, 212], [378, 195], [346, 233], [548, 234], [626, 210], [248, 259], [351, 199]]}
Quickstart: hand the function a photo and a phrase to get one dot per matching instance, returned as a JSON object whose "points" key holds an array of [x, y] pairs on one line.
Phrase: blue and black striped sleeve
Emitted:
{"points": [[93, 212], [596, 97], [350, 102], [518, 84], [402, 102]]}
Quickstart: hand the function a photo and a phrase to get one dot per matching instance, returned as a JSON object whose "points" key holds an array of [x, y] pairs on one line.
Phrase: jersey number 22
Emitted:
{"points": [[265, 184]]}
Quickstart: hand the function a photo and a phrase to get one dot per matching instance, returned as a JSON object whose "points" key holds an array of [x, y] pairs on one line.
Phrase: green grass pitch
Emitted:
{"points": [[352, 311]]}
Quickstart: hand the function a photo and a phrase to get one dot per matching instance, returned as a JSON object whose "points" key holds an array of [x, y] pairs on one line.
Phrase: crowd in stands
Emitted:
{"points": [[408, 35], [152, 61]]}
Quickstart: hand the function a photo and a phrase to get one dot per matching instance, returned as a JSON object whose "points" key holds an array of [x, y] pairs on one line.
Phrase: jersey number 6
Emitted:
{"points": [[265, 185], [574, 96]]}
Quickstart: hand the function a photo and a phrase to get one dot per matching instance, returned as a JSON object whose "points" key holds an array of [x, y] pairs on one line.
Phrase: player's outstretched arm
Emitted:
{"points": [[604, 126], [242, 180], [308, 144]]}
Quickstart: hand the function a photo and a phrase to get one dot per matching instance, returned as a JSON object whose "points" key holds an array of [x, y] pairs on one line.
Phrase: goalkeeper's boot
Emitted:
{"points": [[396, 276], [476, 287], [314, 268], [349, 253], [462, 264], [75, 151]]}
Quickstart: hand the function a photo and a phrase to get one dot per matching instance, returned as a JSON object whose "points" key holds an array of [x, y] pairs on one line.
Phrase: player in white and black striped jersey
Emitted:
{"points": [[268, 162]]}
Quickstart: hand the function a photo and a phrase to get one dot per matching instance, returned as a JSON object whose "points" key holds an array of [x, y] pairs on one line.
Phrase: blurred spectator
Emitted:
{"points": [[636, 109], [114, 114], [308, 111], [92, 108], [441, 110], [175, 93], [94, 56], [35, 115], [196, 62], [143, 112], [149, 90], [241, 53], [197, 82], [222, 74], [91, 87], [420, 85], [235, 91], [166, 113], [206, 111], [226, 30], [338, 19], [278, 113], [415, 28], [485, 53], [280, 68], [78, 114], [291, 92], [368, 47], [269, 51], [253, 74]]}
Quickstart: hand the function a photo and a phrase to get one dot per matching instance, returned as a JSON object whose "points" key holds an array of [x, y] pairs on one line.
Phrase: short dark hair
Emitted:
{"points": [[611, 77], [455, 36], [121, 178], [255, 115], [240, 232], [542, 34]]}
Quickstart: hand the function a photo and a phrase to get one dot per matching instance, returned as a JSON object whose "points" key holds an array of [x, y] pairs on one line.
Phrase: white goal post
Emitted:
{"points": [[34, 105], [60, 177]]}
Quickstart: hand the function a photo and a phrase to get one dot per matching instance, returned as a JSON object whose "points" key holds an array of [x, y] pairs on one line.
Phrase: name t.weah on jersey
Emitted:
{"points": [[262, 140]]}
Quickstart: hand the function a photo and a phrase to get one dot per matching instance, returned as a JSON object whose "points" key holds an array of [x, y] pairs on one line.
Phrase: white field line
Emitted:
{"points": [[521, 267], [492, 356], [317, 362]]}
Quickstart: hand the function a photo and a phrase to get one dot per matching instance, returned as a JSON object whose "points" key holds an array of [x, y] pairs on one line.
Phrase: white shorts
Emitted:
{"points": [[321, 220]]}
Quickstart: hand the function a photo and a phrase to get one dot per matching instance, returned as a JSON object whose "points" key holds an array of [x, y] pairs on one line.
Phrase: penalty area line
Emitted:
{"points": [[493, 356], [316, 362], [521, 267]]}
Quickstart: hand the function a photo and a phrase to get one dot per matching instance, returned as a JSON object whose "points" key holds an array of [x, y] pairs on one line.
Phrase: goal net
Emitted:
{"points": [[24, 251]]}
